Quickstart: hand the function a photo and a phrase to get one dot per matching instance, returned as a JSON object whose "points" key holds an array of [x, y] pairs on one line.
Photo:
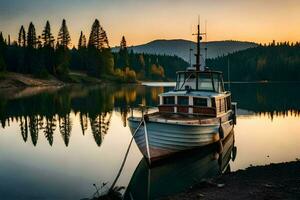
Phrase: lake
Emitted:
{"points": [[55, 143]]}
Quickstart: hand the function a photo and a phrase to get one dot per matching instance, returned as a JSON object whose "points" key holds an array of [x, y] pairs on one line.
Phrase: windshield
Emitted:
{"points": [[206, 81]]}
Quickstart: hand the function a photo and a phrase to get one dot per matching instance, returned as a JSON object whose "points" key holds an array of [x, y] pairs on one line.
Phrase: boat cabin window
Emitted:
{"points": [[186, 80], [218, 84], [200, 102], [169, 100], [207, 81], [184, 101]]}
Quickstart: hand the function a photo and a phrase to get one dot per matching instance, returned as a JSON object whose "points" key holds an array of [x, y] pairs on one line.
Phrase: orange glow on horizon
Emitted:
{"points": [[143, 21]]}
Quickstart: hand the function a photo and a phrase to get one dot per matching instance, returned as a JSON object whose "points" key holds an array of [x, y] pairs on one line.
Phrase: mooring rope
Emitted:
{"points": [[126, 155]]}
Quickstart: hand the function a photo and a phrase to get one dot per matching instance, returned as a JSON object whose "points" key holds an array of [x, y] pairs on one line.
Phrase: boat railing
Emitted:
{"points": [[142, 110]]}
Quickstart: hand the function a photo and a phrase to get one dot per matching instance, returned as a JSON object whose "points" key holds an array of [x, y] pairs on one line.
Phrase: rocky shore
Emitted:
{"points": [[274, 181]]}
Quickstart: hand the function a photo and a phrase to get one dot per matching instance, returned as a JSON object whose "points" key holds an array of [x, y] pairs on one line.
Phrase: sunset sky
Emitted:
{"points": [[144, 20]]}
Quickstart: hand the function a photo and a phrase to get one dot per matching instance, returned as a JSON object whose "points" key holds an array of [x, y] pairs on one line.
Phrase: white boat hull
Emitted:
{"points": [[165, 139]]}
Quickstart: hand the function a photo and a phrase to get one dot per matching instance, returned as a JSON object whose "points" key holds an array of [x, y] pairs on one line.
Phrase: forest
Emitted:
{"points": [[271, 62], [43, 56]]}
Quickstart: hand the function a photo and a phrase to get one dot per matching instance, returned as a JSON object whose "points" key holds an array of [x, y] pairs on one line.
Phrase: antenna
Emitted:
{"points": [[228, 71], [190, 53], [205, 43], [198, 46]]}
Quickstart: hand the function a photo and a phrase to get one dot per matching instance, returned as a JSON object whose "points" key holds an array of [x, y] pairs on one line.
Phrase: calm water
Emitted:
{"points": [[56, 143]]}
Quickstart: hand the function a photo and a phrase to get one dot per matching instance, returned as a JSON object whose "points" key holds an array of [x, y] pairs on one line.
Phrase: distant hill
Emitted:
{"points": [[181, 48]]}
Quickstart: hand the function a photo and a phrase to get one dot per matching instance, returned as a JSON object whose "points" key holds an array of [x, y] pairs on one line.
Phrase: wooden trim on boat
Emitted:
{"points": [[196, 110]]}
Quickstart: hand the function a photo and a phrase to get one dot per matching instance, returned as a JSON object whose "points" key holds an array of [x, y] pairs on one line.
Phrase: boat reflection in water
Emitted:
{"points": [[181, 172]]}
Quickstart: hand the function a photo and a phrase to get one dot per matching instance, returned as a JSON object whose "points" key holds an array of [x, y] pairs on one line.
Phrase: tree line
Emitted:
{"points": [[271, 62], [43, 55]]}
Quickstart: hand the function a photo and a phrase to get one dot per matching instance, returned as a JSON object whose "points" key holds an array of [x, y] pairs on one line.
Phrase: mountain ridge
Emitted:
{"points": [[180, 47]]}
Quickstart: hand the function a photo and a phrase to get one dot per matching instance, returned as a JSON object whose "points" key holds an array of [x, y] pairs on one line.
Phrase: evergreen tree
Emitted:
{"points": [[2, 41], [39, 42], [2, 50], [22, 37], [104, 39], [123, 45], [123, 59], [48, 39], [98, 38], [94, 40], [82, 41], [31, 36], [64, 38]]}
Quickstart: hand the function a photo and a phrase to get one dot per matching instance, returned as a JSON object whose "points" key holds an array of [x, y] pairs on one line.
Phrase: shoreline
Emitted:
{"points": [[13, 80], [273, 181]]}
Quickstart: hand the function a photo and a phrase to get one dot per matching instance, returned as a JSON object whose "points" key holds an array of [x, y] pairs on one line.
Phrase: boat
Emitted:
{"points": [[196, 113], [181, 173]]}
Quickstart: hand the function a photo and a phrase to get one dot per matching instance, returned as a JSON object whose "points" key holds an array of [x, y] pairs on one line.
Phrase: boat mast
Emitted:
{"points": [[198, 49]]}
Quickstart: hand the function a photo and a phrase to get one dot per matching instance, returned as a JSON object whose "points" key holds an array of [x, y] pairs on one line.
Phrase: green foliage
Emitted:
{"points": [[47, 37], [122, 57], [82, 41], [274, 62], [98, 38], [39, 56], [22, 37], [42, 74], [64, 38], [63, 57], [165, 66], [2, 64], [157, 72], [31, 36]]}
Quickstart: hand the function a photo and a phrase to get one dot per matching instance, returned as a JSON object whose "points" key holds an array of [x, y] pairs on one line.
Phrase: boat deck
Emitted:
{"points": [[179, 118]]}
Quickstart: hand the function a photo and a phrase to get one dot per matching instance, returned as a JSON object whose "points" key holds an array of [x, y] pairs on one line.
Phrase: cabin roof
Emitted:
{"points": [[201, 72], [193, 93]]}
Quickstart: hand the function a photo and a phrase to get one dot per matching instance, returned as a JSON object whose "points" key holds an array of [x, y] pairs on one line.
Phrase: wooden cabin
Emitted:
{"points": [[197, 93]]}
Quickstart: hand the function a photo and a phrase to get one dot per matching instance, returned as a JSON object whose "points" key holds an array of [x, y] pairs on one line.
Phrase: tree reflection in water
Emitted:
{"points": [[65, 128], [100, 126], [50, 128], [83, 122], [94, 106], [34, 129], [24, 128]]}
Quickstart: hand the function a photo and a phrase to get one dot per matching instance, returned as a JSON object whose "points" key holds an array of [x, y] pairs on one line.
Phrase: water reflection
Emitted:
{"points": [[271, 99], [180, 173], [51, 109], [41, 124]]}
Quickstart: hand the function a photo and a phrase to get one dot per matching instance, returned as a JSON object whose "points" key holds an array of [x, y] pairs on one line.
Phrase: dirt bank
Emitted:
{"points": [[15, 80], [275, 181]]}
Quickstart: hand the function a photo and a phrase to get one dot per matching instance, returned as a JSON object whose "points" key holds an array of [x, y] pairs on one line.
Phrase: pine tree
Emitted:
{"points": [[22, 37], [82, 41], [39, 42], [94, 40], [31, 36], [2, 42], [123, 45], [98, 38], [123, 60], [48, 39], [64, 38], [104, 39]]}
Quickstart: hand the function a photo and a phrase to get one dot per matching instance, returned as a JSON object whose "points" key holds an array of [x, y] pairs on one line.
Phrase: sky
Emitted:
{"points": [[142, 21]]}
